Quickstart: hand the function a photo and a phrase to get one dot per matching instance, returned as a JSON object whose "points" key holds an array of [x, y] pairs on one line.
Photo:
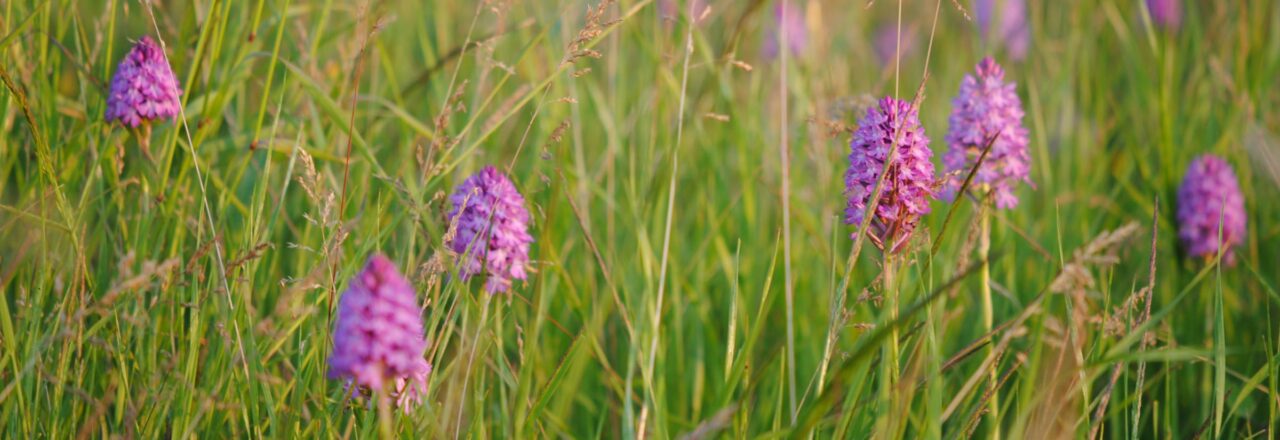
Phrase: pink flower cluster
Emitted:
{"points": [[1209, 199], [378, 337], [908, 187], [988, 107], [143, 88], [492, 235]]}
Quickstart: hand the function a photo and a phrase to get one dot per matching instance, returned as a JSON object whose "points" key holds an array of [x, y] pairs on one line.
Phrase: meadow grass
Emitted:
{"points": [[693, 273]]}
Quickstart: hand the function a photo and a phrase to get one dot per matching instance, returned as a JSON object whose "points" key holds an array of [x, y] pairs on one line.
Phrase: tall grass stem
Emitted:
{"points": [[785, 163]]}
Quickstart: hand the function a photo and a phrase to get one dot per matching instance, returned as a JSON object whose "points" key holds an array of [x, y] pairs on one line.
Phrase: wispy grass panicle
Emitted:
{"points": [[594, 26]]}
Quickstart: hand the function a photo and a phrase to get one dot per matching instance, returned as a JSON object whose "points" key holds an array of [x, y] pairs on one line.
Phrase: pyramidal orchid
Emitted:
{"points": [[987, 107], [908, 185], [378, 335], [492, 229], [143, 88], [1209, 199]]}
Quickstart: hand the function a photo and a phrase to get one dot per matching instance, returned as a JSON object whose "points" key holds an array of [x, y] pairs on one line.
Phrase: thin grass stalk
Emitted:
{"points": [[208, 214], [992, 392], [466, 373], [783, 151], [836, 306], [1134, 324], [1146, 313], [1219, 334], [666, 234]]}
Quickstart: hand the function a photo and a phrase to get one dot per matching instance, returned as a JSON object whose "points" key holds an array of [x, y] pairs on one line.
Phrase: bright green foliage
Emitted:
{"points": [[191, 293]]}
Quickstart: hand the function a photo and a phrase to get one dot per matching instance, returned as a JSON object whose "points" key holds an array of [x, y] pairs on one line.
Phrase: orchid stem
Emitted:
{"points": [[890, 360], [984, 249], [384, 410]]}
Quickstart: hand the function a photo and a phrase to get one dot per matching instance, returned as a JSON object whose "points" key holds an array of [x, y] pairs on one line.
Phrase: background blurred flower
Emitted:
{"points": [[378, 333], [789, 18], [1010, 19], [1209, 196], [988, 106], [909, 184], [671, 10], [1166, 13], [492, 229], [886, 43], [143, 88]]}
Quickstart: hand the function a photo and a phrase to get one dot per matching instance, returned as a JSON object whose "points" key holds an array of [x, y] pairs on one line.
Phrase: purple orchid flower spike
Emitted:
{"points": [[988, 107], [1209, 199], [378, 336], [909, 184], [492, 234], [143, 88]]}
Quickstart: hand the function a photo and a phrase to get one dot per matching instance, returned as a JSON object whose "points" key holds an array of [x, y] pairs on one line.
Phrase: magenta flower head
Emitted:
{"points": [[988, 106], [1166, 13], [1010, 20], [492, 229], [143, 88], [377, 339], [789, 20], [909, 183], [1208, 198]]}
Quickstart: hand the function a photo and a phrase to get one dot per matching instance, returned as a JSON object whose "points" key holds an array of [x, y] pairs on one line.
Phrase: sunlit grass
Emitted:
{"points": [[693, 272]]}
